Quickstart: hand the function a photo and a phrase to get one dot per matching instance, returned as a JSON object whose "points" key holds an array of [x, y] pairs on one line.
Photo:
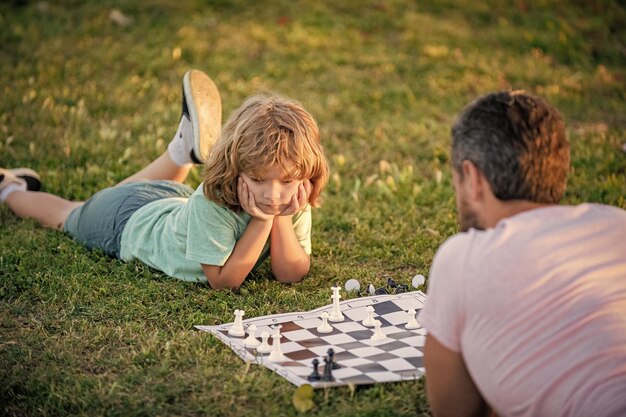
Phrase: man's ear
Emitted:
{"points": [[476, 181]]}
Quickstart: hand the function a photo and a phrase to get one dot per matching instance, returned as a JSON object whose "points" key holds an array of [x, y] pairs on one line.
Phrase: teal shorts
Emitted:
{"points": [[99, 222]]}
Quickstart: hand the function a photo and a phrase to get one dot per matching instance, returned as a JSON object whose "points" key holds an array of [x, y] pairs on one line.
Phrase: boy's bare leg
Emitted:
{"points": [[199, 125], [51, 210], [48, 209], [162, 168]]}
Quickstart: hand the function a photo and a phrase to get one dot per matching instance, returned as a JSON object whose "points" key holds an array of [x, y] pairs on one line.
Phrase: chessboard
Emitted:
{"points": [[362, 361]]}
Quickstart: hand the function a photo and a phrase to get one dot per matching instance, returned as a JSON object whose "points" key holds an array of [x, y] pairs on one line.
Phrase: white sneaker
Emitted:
{"points": [[19, 176], [202, 105]]}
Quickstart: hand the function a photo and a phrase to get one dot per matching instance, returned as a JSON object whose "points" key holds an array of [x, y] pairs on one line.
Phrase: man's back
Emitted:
{"points": [[537, 306]]}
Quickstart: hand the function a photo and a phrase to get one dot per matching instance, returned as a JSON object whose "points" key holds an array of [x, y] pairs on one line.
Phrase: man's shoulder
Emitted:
{"points": [[455, 250], [457, 242], [603, 210], [567, 213], [528, 224]]}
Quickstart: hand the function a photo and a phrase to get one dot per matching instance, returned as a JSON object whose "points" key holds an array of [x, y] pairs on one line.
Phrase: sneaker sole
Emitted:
{"points": [[33, 181], [30, 177], [204, 105]]}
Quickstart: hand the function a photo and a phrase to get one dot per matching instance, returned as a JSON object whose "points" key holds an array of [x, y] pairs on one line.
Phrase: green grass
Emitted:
{"points": [[86, 102]]}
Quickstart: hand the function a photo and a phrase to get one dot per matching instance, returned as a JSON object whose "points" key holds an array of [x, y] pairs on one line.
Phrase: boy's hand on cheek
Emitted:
{"points": [[299, 199], [248, 203]]}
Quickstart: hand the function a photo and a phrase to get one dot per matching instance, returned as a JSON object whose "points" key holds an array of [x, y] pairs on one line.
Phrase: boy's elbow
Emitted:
{"points": [[216, 281], [223, 284], [292, 275]]}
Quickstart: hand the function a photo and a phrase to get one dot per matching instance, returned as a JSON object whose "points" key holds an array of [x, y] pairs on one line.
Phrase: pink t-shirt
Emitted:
{"points": [[537, 307]]}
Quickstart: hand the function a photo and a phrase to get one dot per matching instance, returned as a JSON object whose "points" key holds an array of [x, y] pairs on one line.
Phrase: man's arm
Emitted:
{"points": [[451, 391]]}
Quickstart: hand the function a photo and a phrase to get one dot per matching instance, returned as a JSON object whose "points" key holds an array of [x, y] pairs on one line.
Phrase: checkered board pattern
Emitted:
{"points": [[397, 358]]}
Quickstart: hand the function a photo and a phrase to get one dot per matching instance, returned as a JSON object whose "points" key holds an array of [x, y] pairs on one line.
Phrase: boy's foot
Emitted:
{"points": [[202, 105], [24, 176]]}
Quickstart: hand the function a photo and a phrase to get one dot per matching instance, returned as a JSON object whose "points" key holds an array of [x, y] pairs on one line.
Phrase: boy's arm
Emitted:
{"points": [[247, 249], [241, 261], [290, 263]]}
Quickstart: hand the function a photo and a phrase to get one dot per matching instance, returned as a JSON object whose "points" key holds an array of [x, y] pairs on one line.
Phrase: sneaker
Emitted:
{"points": [[20, 175], [202, 105]]}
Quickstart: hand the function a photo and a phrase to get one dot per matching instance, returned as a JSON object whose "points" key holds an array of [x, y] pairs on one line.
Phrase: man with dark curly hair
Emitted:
{"points": [[526, 309]]}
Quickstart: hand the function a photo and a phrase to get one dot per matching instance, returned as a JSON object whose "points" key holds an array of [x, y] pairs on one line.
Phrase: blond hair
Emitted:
{"points": [[266, 131]]}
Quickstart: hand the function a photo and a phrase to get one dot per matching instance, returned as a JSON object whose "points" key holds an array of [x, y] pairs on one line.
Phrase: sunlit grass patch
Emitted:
{"points": [[91, 93]]}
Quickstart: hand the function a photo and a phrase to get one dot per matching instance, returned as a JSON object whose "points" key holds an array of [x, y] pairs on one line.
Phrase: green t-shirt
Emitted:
{"points": [[176, 235]]}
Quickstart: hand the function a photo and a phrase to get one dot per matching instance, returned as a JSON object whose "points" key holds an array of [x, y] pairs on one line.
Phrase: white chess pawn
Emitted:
{"points": [[251, 341], [418, 280], [371, 290], [336, 314], [378, 333], [264, 347], [276, 355], [352, 285], [369, 320], [324, 327], [412, 323], [237, 329]]}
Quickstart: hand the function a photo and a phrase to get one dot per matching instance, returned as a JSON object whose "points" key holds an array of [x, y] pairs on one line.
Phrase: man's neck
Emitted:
{"points": [[504, 209]]}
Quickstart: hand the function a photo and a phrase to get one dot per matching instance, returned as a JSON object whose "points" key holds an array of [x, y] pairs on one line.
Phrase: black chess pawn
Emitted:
{"points": [[391, 283], [381, 291], [401, 288], [331, 357], [328, 370], [315, 375]]}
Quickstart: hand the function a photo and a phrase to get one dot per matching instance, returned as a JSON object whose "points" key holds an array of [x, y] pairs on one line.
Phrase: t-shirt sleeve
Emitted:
{"points": [[443, 314], [211, 233], [302, 227]]}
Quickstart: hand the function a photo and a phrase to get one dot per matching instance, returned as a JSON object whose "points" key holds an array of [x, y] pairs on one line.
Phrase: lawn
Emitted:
{"points": [[91, 93]]}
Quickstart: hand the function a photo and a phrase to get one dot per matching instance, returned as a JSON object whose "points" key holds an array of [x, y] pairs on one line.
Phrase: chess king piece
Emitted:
{"points": [[328, 370], [336, 314], [276, 355]]}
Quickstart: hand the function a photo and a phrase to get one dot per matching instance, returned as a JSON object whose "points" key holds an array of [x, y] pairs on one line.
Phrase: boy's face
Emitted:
{"points": [[273, 192]]}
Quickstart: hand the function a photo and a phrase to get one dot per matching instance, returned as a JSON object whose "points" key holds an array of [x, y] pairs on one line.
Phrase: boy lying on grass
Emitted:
{"points": [[264, 171]]}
